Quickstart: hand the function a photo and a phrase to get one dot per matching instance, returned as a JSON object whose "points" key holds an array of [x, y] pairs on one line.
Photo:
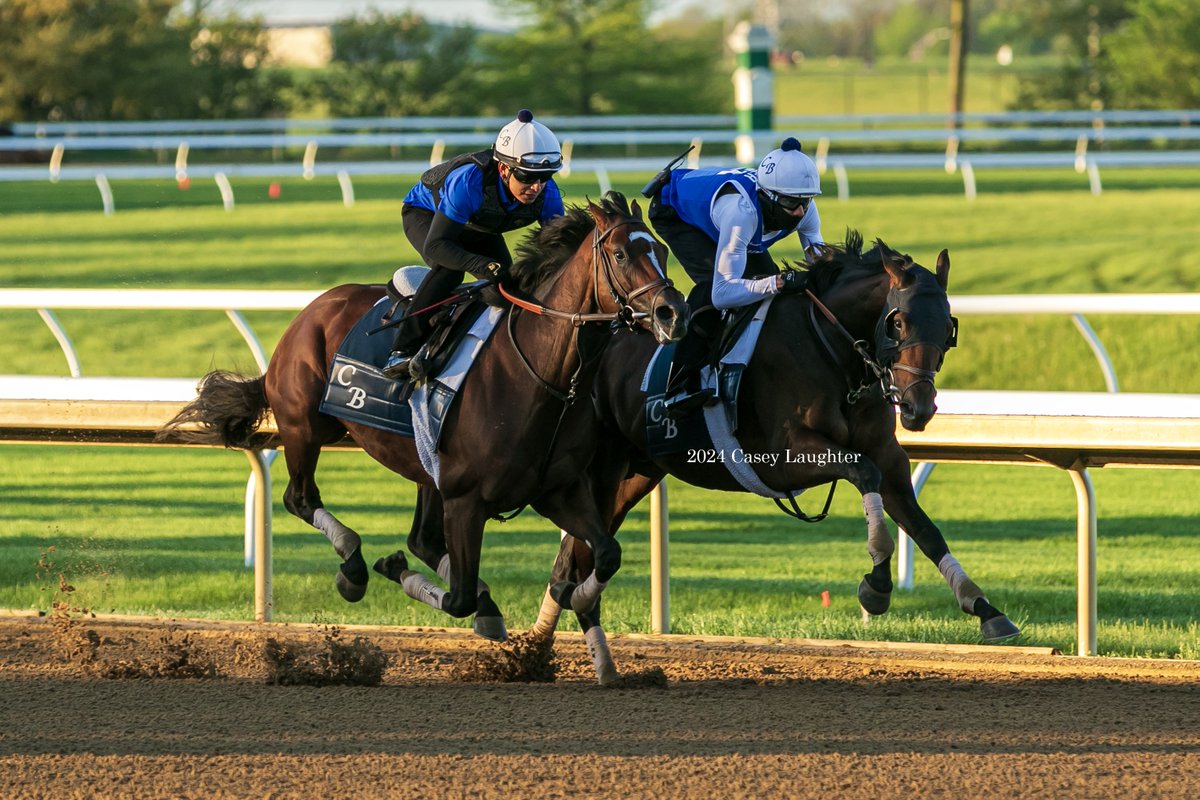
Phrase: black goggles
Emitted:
{"points": [[790, 202], [529, 177]]}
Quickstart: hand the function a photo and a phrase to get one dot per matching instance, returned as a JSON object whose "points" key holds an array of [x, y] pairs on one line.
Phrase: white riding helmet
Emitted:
{"points": [[788, 171], [525, 144]]}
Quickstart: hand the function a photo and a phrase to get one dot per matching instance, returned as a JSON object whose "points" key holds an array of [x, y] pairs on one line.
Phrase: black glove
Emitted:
{"points": [[792, 281]]}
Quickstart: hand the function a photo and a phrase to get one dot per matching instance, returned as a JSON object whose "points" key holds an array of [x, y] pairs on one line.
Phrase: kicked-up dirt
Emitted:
{"points": [[104, 707]]}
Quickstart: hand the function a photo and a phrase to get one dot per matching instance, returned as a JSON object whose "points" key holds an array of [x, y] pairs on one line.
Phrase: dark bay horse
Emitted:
{"points": [[806, 390], [513, 437]]}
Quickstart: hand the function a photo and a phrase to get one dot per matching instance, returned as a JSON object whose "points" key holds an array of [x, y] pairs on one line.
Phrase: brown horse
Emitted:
{"points": [[821, 394], [514, 436]]}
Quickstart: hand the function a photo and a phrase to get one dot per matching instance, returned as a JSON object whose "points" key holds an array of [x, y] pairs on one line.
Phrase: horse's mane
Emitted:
{"points": [[544, 252], [837, 263]]}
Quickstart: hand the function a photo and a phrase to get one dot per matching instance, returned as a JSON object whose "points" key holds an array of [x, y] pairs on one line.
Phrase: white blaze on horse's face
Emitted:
{"points": [[651, 255]]}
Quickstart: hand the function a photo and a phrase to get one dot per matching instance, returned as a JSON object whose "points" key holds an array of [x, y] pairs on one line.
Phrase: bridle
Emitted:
{"points": [[881, 363], [621, 296]]}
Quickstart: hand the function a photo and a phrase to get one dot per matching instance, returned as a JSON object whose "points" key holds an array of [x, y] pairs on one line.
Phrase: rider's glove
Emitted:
{"points": [[792, 281]]}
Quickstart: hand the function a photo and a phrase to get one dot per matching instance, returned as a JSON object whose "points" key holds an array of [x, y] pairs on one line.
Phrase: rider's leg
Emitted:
{"points": [[696, 252], [439, 284]]}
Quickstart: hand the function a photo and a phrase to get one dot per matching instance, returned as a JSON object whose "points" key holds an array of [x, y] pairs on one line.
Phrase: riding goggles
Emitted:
{"points": [[790, 202], [529, 177]]}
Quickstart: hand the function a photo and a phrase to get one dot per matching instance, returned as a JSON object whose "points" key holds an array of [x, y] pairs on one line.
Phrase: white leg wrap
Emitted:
{"points": [[443, 572], [965, 590], [344, 540], [584, 598], [548, 616], [879, 541], [597, 645], [418, 587]]}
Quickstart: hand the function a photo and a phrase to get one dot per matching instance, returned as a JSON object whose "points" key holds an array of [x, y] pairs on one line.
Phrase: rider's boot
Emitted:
{"points": [[684, 394], [399, 364]]}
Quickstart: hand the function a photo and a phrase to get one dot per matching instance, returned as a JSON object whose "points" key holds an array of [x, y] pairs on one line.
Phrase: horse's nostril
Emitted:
{"points": [[664, 313]]}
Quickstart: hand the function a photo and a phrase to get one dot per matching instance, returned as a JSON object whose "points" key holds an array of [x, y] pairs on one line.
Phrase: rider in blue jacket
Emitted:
{"points": [[719, 223], [457, 214]]}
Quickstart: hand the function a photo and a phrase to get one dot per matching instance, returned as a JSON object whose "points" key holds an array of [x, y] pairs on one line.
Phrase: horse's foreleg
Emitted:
{"points": [[303, 499], [875, 589], [901, 504], [574, 510]]}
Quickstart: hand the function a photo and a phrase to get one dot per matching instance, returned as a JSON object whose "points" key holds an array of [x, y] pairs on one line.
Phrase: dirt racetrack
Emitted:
{"points": [[145, 708]]}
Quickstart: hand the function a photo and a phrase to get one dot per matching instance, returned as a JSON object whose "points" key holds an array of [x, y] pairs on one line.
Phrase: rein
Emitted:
{"points": [[881, 372]]}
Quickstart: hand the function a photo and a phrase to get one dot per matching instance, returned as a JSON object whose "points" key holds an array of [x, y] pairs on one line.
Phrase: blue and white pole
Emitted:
{"points": [[753, 87]]}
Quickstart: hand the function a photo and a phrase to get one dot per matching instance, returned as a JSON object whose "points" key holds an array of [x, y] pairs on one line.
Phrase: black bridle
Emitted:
{"points": [[880, 356]]}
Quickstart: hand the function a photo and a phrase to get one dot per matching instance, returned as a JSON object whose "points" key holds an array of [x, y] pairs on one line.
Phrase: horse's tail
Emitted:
{"points": [[228, 411]]}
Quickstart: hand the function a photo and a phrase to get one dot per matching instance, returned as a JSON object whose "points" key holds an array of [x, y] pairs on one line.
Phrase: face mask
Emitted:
{"points": [[775, 218]]}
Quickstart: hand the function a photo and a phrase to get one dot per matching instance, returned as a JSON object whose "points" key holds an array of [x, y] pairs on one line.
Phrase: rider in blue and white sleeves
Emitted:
{"points": [[457, 214], [719, 223]]}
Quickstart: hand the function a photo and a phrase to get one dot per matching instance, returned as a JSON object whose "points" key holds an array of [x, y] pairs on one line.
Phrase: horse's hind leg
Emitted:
{"points": [[901, 504], [427, 541], [303, 499]]}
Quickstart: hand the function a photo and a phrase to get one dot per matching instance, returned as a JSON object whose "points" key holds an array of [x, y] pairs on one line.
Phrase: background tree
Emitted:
{"points": [[1155, 56], [400, 65], [1078, 31], [128, 59], [606, 60]]}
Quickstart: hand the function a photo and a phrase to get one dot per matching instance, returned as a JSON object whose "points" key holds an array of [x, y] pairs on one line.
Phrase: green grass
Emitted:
{"points": [[146, 530]]}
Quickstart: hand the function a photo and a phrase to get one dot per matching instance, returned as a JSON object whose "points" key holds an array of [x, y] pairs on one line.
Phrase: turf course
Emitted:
{"points": [[159, 530]]}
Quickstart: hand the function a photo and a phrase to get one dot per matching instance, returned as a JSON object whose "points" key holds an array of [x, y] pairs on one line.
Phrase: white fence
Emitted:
{"points": [[839, 144]]}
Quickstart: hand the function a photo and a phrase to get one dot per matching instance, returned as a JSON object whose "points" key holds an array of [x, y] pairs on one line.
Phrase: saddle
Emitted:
{"points": [[449, 323]]}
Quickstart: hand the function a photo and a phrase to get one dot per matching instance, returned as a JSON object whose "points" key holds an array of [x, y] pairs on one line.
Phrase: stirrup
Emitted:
{"points": [[683, 403], [398, 366]]}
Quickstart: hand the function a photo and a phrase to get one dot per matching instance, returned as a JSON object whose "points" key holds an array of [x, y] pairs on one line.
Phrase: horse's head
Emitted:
{"points": [[630, 267], [914, 333]]}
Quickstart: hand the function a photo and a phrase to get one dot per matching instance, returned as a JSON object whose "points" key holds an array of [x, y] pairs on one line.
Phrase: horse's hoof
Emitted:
{"points": [[872, 601], [998, 629], [489, 622], [352, 577], [392, 566], [608, 675], [491, 628], [561, 593]]}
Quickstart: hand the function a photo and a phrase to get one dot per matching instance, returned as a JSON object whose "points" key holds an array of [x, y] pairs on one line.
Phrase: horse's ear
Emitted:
{"points": [[637, 210], [895, 266], [943, 269], [598, 214]]}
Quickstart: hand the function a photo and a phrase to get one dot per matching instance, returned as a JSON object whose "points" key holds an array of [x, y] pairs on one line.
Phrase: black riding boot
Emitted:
{"points": [[684, 394]]}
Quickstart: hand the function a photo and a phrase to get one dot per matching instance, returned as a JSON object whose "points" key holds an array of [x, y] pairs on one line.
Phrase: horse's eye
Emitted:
{"points": [[619, 255]]}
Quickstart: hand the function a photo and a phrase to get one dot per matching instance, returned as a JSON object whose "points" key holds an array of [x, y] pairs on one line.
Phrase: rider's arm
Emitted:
{"points": [[736, 220], [809, 229], [552, 205], [462, 196]]}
